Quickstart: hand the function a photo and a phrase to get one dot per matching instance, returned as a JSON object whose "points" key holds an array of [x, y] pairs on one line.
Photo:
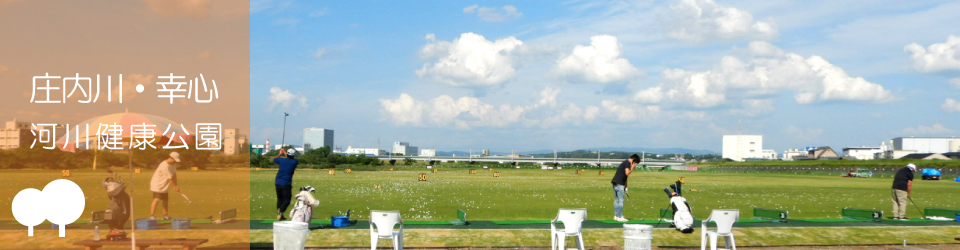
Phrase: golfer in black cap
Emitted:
{"points": [[902, 185], [620, 185]]}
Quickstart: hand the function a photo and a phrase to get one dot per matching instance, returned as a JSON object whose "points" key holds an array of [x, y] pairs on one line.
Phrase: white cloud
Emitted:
{"points": [[626, 112], [464, 112], [699, 21], [600, 62], [493, 14], [955, 82], [950, 106], [935, 129], [937, 56], [404, 110], [285, 99], [470, 60], [548, 96], [320, 52], [764, 72], [430, 37], [470, 112], [753, 107]]}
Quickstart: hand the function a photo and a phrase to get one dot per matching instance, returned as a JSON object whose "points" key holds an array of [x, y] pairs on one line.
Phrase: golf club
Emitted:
{"points": [[195, 206], [663, 212], [918, 207]]}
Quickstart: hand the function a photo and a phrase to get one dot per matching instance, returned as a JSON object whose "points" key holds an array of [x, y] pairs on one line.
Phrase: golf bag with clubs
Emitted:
{"points": [[303, 209], [118, 212], [682, 219]]}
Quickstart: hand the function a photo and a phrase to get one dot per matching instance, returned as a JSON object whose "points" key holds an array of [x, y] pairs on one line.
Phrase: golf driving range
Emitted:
{"points": [[522, 200]]}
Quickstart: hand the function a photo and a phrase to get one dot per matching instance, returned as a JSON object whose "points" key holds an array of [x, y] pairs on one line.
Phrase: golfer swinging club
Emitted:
{"points": [[902, 185], [163, 177], [284, 180], [620, 185]]}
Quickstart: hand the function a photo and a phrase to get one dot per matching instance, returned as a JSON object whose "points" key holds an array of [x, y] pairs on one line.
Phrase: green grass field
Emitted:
{"points": [[211, 190], [537, 194]]}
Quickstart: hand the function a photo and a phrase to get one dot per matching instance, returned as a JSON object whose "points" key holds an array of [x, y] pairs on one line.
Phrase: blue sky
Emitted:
{"points": [[531, 75]]}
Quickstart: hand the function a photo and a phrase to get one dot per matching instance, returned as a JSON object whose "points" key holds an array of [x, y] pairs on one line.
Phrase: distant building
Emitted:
{"points": [[794, 154], [742, 147], [485, 152], [903, 146], [428, 152], [767, 154], [822, 153], [16, 134], [258, 149], [233, 141], [404, 148], [860, 153], [365, 151], [314, 138], [925, 156], [926, 144]]}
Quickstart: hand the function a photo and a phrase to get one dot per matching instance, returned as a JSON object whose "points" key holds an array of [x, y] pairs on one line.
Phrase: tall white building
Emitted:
{"points": [[428, 152], [317, 138], [404, 148], [232, 141], [742, 147]]}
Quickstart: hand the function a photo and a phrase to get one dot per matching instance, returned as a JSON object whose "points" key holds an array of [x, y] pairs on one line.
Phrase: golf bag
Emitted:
{"points": [[118, 212], [303, 209], [682, 219]]}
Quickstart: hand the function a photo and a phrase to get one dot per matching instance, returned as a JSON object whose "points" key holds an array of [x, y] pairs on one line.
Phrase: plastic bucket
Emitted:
{"points": [[289, 235], [339, 221], [637, 237]]}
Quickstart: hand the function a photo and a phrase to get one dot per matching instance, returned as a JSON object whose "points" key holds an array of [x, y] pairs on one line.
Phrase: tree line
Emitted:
{"points": [[316, 158]]}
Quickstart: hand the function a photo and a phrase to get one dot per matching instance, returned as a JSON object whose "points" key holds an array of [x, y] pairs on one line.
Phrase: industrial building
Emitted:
{"points": [[926, 144], [743, 147], [233, 141], [860, 153], [365, 151], [314, 138], [404, 148], [903, 146], [428, 152], [15, 135]]}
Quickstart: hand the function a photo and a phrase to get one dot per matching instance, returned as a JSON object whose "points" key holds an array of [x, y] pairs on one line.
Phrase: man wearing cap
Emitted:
{"points": [[284, 180], [902, 185], [620, 185], [163, 178]]}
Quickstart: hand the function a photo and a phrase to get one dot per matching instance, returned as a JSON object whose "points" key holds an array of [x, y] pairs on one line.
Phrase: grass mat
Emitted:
{"points": [[520, 222]]}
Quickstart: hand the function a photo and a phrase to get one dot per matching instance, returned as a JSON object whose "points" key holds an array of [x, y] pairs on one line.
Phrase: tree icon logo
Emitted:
{"points": [[61, 202]]}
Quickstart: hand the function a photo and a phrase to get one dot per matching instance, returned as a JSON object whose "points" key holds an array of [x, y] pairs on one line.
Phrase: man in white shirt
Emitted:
{"points": [[165, 176]]}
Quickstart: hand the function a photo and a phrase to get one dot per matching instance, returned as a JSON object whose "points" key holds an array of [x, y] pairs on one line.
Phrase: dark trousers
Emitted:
{"points": [[284, 193]]}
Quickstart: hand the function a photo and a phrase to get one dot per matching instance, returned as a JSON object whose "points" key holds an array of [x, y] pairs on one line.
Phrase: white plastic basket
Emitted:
{"points": [[290, 235], [637, 237]]}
